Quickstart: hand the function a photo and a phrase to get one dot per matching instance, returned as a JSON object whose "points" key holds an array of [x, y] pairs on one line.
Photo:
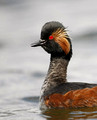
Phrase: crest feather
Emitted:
{"points": [[61, 36]]}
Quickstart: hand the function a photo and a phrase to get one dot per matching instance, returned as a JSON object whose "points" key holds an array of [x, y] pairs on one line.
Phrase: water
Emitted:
{"points": [[23, 69]]}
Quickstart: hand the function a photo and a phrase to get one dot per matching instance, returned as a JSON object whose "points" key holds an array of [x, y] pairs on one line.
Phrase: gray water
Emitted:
{"points": [[23, 69]]}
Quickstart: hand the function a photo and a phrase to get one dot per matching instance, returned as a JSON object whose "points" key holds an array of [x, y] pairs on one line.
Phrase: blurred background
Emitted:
{"points": [[22, 68]]}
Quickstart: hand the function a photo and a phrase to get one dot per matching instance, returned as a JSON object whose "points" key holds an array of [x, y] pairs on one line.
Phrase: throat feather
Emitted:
{"points": [[56, 75]]}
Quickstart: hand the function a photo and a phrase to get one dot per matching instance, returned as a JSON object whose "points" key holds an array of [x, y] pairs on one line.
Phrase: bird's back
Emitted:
{"points": [[72, 95]]}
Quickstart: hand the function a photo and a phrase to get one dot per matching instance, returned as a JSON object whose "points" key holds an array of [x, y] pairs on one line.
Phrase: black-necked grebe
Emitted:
{"points": [[56, 92]]}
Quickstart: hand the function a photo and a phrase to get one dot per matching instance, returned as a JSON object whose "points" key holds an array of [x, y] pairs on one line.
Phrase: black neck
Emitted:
{"points": [[57, 73]]}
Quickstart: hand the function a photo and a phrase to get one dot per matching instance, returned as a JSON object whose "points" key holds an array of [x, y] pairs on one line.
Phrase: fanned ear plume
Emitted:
{"points": [[60, 36]]}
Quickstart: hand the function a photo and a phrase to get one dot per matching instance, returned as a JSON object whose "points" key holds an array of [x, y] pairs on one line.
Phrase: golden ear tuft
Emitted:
{"points": [[60, 36]]}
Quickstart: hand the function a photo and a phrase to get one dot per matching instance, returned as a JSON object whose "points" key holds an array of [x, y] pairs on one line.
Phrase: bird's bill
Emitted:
{"points": [[35, 44], [39, 43]]}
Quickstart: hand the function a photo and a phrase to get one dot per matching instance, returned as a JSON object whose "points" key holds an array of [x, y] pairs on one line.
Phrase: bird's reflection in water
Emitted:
{"points": [[72, 114]]}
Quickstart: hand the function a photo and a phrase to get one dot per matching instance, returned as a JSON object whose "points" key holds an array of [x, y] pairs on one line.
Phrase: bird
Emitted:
{"points": [[56, 91]]}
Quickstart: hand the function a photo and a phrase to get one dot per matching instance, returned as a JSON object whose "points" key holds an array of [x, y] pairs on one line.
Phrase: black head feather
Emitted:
{"points": [[55, 46]]}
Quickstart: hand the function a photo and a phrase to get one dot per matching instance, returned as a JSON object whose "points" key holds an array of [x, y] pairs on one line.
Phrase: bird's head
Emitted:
{"points": [[55, 40]]}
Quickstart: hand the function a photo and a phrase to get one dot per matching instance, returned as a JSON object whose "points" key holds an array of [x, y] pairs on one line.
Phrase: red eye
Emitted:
{"points": [[50, 37]]}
